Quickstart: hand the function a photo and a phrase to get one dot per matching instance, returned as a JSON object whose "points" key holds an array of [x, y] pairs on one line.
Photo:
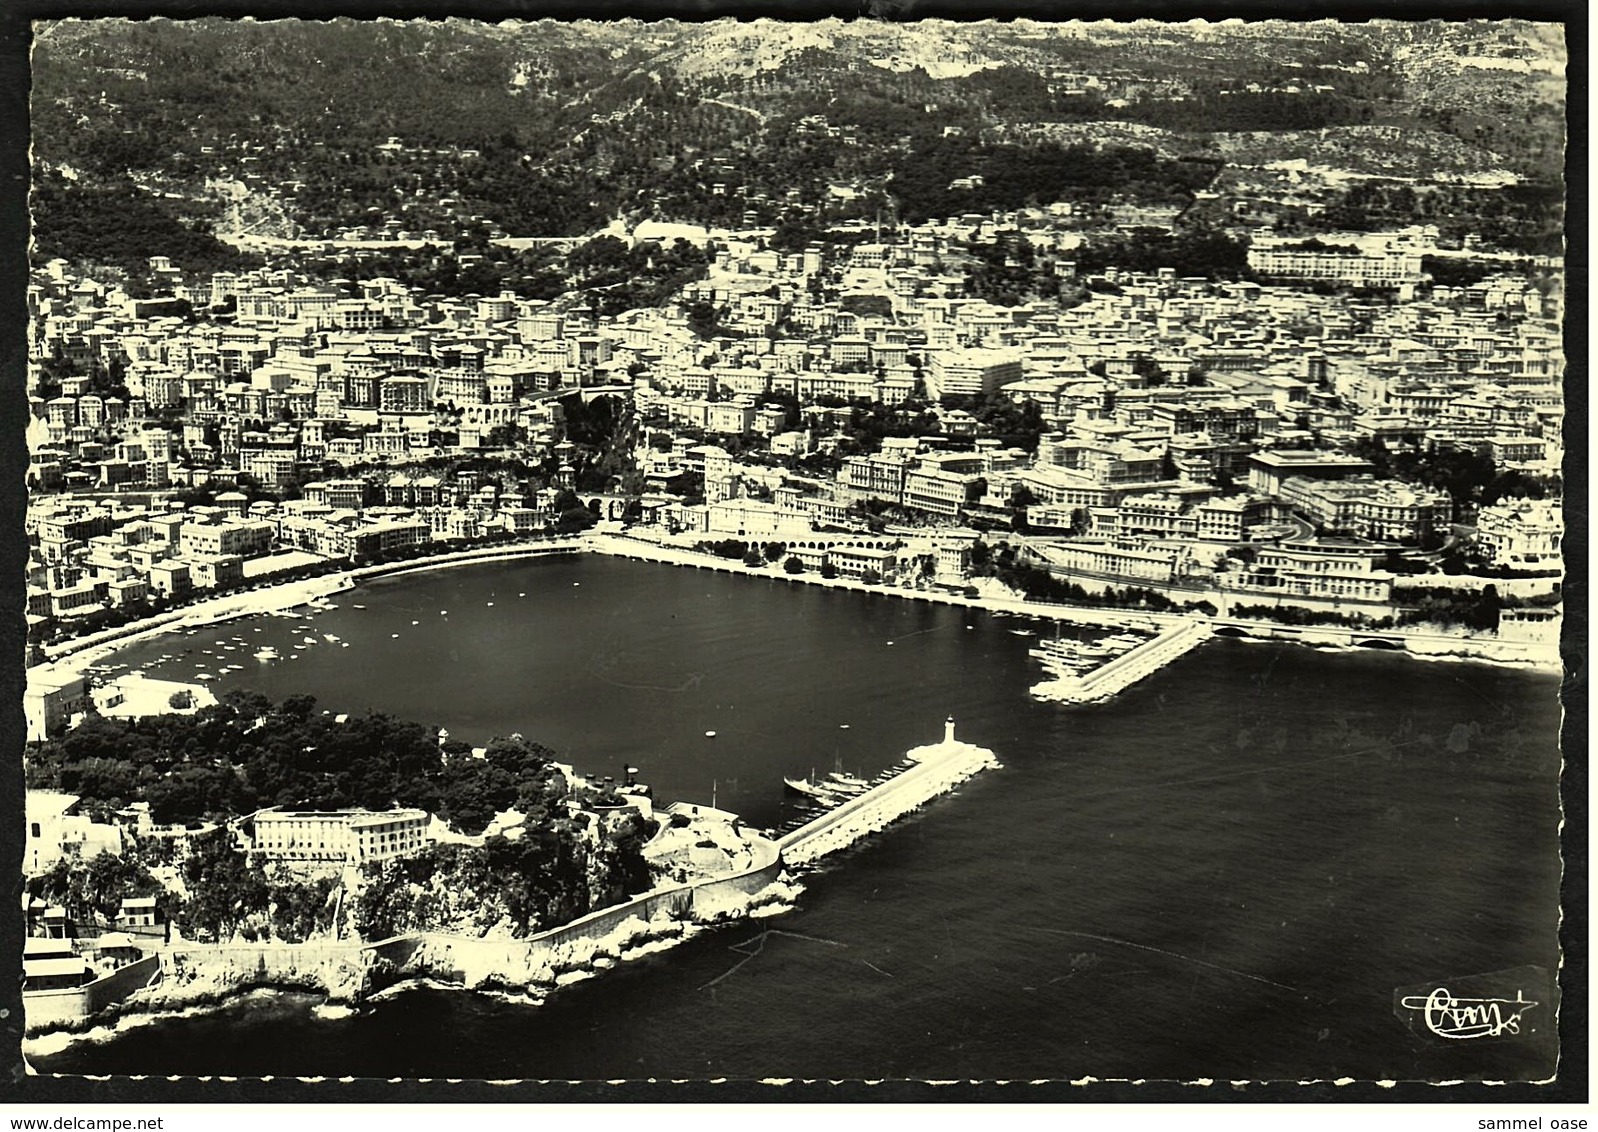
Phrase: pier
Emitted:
{"points": [[934, 769], [1123, 671]]}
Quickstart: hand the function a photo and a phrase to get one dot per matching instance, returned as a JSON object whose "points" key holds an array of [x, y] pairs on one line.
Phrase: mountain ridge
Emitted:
{"points": [[553, 128]]}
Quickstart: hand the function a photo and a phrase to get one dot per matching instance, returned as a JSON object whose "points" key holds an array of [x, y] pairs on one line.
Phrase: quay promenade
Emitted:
{"points": [[69, 658], [1418, 641], [622, 546]]}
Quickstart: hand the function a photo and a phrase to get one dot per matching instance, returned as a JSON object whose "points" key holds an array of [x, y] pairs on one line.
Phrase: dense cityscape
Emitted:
{"points": [[1346, 449], [1183, 412]]}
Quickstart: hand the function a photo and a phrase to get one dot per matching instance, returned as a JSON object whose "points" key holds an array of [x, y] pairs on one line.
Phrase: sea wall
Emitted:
{"points": [[204, 975], [1123, 671], [208, 611], [532, 548], [1417, 641], [541, 960], [121, 633], [1457, 645], [1535, 654], [55, 1009], [286, 595], [333, 968], [936, 769], [200, 975], [67, 1009], [620, 546], [73, 655]]}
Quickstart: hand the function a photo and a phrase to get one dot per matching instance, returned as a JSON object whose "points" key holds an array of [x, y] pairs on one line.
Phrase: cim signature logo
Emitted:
{"points": [[1461, 1019]]}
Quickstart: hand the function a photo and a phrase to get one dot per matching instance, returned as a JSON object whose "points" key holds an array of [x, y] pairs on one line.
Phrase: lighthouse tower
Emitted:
{"points": [[948, 730]]}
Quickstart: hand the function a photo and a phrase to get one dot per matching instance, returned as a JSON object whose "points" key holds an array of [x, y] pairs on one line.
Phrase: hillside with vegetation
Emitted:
{"points": [[224, 128], [573, 850], [246, 753]]}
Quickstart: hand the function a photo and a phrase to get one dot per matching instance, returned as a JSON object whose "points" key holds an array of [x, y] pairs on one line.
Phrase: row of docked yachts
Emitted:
{"points": [[1063, 656], [828, 791]]}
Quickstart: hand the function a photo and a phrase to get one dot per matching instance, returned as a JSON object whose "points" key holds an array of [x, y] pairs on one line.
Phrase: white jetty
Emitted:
{"points": [[1127, 669], [934, 769]]}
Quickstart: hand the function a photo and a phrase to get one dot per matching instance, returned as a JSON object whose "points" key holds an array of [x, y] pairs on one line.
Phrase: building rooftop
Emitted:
{"points": [[45, 968], [1291, 458], [47, 805]]}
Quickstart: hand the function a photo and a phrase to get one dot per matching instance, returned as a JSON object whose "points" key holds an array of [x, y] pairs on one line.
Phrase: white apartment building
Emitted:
{"points": [[1109, 560], [1522, 532], [1334, 262], [339, 836], [940, 492], [246, 538], [1310, 573], [971, 373]]}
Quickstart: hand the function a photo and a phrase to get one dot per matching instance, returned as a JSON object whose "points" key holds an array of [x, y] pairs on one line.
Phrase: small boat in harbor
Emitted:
{"points": [[810, 789]]}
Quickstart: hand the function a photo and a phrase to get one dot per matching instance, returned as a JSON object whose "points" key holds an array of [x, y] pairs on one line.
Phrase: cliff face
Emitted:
{"points": [[350, 972], [211, 975], [200, 977]]}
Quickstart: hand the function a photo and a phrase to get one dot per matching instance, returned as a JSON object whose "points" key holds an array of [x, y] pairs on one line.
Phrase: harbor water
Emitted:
{"points": [[1224, 872]]}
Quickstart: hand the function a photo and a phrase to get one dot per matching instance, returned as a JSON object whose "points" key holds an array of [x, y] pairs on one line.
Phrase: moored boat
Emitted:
{"points": [[811, 789]]}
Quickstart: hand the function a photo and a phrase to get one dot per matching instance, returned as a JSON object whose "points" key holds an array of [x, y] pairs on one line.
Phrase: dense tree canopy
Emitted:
{"points": [[1467, 474], [245, 753], [119, 225]]}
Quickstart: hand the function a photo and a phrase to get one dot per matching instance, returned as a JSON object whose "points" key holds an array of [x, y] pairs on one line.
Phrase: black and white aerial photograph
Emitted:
{"points": [[796, 551]]}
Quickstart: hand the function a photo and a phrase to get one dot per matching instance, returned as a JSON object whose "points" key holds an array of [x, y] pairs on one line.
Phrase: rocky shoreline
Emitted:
{"points": [[208, 978]]}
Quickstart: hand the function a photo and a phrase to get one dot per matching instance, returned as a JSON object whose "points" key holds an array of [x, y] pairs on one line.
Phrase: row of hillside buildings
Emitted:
{"points": [[89, 554], [282, 384], [1164, 396]]}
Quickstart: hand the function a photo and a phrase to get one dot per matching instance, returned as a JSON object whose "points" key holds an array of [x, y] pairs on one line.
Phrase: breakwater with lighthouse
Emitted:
{"points": [[926, 772], [658, 918]]}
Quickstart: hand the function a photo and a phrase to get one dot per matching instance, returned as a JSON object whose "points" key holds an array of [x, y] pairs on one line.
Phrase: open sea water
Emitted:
{"points": [[1225, 872]]}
